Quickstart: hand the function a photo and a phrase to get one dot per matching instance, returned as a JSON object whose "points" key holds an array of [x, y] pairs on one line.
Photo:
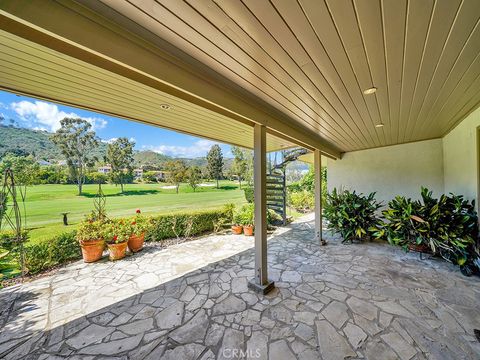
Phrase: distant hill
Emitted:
{"points": [[22, 141], [150, 158]]}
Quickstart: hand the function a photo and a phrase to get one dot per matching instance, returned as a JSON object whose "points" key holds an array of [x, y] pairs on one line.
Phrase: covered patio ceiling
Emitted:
{"points": [[298, 67], [32, 69], [313, 59], [65, 52]]}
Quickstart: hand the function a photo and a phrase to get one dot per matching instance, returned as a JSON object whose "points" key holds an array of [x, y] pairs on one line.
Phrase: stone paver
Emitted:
{"points": [[191, 301]]}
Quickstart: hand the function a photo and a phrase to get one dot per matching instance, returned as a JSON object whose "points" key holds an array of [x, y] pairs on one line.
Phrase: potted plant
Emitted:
{"points": [[139, 224], [237, 227], [90, 235], [247, 219], [117, 234]]}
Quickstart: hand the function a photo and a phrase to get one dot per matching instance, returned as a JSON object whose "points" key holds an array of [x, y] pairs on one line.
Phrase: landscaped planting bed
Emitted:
{"points": [[446, 227], [66, 247]]}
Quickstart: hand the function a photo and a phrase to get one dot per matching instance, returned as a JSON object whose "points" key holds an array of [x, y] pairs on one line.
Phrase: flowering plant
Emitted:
{"points": [[117, 231], [139, 223], [90, 230]]}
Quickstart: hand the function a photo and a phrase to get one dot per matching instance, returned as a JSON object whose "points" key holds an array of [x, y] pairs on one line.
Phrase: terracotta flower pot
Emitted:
{"points": [[92, 250], [248, 230], [237, 229], [117, 251], [135, 242]]}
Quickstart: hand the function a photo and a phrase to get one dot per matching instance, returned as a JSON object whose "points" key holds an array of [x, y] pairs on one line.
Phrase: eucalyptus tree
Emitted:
{"points": [[239, 166], [120, 157], [193, 176], [76, 141], [215, 163], [25, 170], [176, 172]]}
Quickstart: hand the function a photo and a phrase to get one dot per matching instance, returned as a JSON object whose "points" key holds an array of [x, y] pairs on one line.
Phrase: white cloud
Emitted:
{"points": [[197, 149], [109, 141], [40, 114], [113, 139]]}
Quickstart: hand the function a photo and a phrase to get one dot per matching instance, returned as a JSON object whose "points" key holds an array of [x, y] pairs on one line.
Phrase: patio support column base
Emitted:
{"points": [[261, 289], [260, 282]]}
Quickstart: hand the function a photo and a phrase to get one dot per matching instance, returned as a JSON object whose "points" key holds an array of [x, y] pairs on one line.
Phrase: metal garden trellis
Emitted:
{"points": [[11, 214]]}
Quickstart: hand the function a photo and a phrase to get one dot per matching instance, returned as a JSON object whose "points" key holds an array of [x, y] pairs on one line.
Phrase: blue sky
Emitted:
{"points": [[38, 114]]}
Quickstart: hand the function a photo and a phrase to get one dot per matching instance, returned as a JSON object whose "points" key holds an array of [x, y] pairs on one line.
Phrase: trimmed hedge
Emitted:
{"points": [[186, 224], [248, 194], [46, 254], [65, 247]]}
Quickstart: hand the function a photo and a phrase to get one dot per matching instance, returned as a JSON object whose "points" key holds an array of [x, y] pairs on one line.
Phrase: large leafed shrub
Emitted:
{"points": [[352, 215], [447, 225]]}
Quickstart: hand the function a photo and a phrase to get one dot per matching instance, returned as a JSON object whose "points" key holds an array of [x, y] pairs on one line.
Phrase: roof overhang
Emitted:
{"points": [[64, 52]]}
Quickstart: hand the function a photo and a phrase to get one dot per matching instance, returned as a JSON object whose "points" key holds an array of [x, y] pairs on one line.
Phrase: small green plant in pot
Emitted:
{"points": [[139, 224], [352, 215], [237, 226], [247, 218], [117, 233], [90, 235]]}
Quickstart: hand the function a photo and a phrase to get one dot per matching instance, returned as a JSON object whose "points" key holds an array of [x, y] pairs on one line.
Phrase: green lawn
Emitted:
{"points": [[45, 203]]}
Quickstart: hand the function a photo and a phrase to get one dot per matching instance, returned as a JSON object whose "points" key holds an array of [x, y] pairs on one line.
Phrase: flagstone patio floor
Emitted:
{"points": [[191, 301]]}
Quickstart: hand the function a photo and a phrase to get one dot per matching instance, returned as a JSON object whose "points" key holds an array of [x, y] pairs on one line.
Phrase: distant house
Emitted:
{"points": [[138, 173], [161, 175], [104, 169]]}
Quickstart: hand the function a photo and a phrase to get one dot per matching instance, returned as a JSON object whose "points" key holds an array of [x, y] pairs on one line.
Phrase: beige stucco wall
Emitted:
{"points": [[391, 170], [460, 157]]}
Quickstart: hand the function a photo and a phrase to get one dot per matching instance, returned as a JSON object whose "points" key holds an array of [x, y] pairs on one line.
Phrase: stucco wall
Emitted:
{"points": [[460, 157], [391, 170]]}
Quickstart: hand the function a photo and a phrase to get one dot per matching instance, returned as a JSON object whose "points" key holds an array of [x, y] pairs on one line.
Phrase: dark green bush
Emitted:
{"points": [[448, 225], [248, 194], [401, 225], [186, 224], [307, 183], [302, 200], [8, 241], [352, 215], [46, 254], [65, 247]]}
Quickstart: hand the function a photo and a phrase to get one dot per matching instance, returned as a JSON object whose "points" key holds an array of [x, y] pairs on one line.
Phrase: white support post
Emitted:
{"points": [[260, 283], [317, 167]]}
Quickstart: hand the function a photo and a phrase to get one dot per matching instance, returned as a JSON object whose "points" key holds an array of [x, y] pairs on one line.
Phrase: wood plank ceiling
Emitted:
{"points": [[31, 69], [312, 59]]}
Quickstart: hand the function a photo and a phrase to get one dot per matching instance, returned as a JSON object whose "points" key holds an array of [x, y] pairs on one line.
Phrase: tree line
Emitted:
{"points": [[78, 143]]}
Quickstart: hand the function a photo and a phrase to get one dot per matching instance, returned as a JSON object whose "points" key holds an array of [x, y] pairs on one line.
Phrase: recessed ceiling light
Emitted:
{"points": [[379, 125], [165, 106], [370, 91]]}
